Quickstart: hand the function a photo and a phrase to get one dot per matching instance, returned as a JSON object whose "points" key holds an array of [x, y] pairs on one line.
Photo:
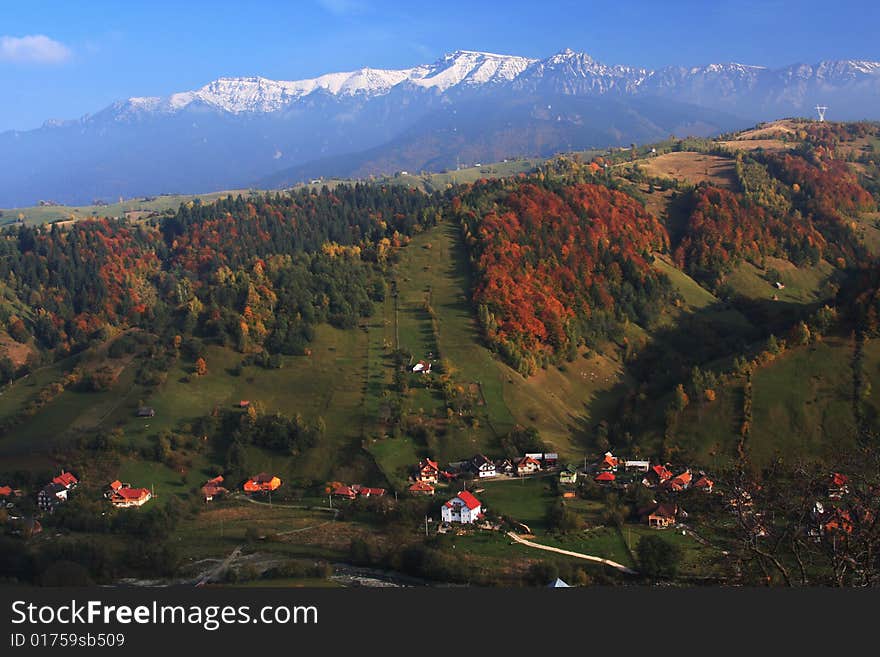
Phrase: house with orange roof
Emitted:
{"points": [[5, 491], [657, 475], [704, 483], [366, 491], [262, 483], [127, 497], [838, 485], [679, 483], [605, 478], [66, 479], [421, 488], [344, 491], [608, 462], [112, 487], [213, 488]]}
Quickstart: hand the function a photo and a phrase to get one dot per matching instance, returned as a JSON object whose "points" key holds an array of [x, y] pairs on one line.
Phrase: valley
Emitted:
{"points": [[703, 307]]}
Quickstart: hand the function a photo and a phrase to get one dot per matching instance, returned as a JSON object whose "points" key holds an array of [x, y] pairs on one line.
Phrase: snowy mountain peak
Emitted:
{"points": [[567, 71]]}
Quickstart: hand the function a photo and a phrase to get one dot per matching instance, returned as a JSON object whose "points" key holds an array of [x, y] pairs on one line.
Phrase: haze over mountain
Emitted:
{"points": [[467, 106]]}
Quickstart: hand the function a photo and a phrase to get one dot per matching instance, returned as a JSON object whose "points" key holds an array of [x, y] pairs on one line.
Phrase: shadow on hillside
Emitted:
{"points": [[707, 339]]}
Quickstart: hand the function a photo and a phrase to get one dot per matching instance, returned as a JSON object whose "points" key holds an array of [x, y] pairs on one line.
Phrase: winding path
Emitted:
{"points": [[587, 557]]}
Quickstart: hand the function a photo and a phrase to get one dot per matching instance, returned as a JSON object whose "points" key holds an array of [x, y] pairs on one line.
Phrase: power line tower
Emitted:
{"points": [[821, 109]]}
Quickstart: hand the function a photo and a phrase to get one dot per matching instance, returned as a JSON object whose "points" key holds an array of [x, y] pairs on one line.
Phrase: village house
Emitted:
{"points": [[463, 508], [678, 483], [213, 488], [50, 496], [112, 487], [636, 466], [505, 466], [127, 497], [66, 479], [608, 463], [344, 492], [838, 486], [146, 411], [656, 476], [5, 491], [660, 515], [527, 466], [262, 483], [428, 471], [550, 459], [482, 467], [568, 476], [365, 491], [422, 367], [605, 478], [421, 488], [704, 483]]}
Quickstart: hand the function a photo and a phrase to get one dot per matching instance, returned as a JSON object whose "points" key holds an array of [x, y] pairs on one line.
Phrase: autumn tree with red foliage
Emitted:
{"points": [[559, 264]]}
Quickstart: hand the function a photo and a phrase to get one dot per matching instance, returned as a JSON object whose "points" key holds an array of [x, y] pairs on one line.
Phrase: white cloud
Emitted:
{"points": [[33, 48]]}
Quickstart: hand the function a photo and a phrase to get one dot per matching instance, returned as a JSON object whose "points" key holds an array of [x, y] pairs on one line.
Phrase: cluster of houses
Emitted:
{"points": [[482, 467], [263, 482], [428, 473], [832, 519], [613, 471], [354, 491]]}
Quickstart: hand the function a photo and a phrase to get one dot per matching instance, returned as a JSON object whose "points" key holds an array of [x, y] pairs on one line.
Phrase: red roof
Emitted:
{"points": [[661, 472], [367, 492], [839, 480], [528, 459], [421, 487], [5, 491], [132, 493], [469, 500], [704, 482], [344, 491], [115, 485], [216, 480], [605, 476], [65, 479]]}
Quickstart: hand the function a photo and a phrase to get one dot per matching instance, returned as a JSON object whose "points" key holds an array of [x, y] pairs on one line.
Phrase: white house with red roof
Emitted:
{"points": [[464, 508], [527, 466], [127, 497]]}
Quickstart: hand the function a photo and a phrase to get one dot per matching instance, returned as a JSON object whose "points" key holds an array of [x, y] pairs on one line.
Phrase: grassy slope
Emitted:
{"points": [[802, 408], [694, 296], [802, 284], [40, 215]]}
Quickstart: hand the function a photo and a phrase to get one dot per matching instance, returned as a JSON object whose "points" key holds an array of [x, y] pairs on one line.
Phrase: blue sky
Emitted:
{"points": [[62, 59]]}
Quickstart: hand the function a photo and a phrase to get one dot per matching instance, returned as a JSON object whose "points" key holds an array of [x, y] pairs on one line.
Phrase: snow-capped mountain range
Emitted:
{"points": [[566, 71], [466, 106], [257, 94]]}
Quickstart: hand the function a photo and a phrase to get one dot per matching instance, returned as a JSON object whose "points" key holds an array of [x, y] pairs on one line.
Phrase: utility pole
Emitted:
{"points": [[426, 525]]}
